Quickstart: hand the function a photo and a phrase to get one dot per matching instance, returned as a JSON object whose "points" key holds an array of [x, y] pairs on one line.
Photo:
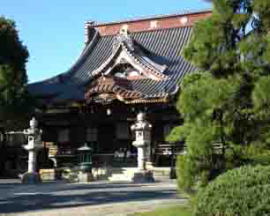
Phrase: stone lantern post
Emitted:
{"points": [[142, 142], [33, 146]]}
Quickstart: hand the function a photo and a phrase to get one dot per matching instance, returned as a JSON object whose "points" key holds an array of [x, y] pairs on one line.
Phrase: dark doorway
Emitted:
{"points": [[106, 138]]}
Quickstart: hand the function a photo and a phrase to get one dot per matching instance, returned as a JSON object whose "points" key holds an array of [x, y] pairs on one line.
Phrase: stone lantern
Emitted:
{"points": [[85, 158], [142, 142], [33, 146]]}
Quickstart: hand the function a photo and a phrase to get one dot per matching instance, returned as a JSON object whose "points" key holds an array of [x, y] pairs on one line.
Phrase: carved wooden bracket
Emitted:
{"points": [[107, 89]]}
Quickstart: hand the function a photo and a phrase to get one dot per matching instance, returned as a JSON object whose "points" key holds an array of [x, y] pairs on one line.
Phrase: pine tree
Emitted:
{"points": [[14, 100], [225, 105]]}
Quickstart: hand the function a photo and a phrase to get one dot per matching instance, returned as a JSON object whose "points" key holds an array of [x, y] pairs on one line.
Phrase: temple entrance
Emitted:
{"points": [[113, 146], [106, 138]]}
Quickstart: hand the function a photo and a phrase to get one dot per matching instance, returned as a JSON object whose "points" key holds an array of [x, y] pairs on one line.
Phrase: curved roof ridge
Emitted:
{"points": [[84, 54], [161, 16]]}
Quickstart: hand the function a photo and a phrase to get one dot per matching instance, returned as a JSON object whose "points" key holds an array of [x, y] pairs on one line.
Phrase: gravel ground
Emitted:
{"points": [[93, 199]]}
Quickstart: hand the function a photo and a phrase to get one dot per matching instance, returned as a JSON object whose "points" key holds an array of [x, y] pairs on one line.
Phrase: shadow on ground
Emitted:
{"points": [[67, 195]]}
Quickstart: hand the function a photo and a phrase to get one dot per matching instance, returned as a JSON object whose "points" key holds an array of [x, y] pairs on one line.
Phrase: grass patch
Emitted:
{"points": [[171, 211]]}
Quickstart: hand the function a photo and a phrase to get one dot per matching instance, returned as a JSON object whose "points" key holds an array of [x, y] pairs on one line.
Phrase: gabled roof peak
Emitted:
{"points": [[124, 51]]}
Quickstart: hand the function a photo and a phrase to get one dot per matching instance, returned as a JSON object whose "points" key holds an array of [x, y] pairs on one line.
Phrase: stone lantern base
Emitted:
{"points": [[31, 178], [85, 177], [143, 177]]}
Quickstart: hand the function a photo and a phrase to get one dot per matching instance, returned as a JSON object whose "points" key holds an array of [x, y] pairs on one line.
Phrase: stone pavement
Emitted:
{"points": [[94, 199]]}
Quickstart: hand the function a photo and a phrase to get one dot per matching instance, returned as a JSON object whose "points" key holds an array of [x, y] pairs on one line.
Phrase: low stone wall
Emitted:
{"points": [[105, 173]]}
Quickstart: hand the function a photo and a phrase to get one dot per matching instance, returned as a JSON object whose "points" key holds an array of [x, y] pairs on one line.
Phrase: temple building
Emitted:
{"points": [[125, 68]]}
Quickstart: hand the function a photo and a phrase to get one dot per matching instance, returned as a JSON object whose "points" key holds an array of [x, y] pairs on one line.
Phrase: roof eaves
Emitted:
{"points": [[85, 52]]}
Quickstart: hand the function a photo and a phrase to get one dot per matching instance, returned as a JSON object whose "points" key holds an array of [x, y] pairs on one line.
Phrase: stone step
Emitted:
{"points": [[126, 174]]}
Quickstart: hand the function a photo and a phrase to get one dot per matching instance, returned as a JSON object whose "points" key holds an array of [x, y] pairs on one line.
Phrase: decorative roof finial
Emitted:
{"points": [[89, 31], [123, 38], [124, 30]]}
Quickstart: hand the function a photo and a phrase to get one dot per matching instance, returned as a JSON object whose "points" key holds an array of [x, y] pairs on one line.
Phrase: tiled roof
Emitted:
{"points": [[161, 46]]}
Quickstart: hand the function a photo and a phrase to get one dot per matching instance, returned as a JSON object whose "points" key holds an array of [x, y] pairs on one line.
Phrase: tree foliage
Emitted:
{"points": [[225, 105], [14, 100]]}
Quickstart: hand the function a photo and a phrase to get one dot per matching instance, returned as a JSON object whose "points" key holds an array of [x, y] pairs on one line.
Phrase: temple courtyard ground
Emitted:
{"points": [[93, 199]]}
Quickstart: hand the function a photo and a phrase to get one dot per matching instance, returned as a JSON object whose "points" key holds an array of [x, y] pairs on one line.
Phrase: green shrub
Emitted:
{"points": [[240, 192], [182, 173], [256, 155]]}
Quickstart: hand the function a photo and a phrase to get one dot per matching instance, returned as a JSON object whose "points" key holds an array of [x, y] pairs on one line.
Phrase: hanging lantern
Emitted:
{"points": [[109, 112]]}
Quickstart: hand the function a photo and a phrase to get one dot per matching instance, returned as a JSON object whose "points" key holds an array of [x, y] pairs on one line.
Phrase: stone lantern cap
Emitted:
{"points": [[84, 148], [33, 123], [141, 116], [141, 123]]}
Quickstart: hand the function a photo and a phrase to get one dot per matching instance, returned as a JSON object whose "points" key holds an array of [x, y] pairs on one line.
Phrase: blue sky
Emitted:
{"points": [[53, 30]]}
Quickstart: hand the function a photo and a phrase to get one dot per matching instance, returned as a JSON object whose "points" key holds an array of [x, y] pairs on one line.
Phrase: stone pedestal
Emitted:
{"points": [[30, 178], [149, 165], [85, 177], [143, 177]]}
